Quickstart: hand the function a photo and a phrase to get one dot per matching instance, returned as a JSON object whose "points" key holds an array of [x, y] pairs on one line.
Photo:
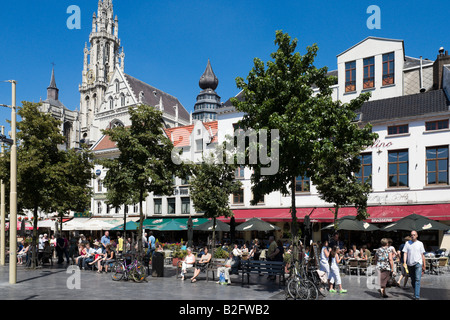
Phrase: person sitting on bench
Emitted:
{"points": [[202, 265]]}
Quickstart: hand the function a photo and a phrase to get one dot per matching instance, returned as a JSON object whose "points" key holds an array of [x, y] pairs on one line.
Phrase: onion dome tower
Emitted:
{"points": [[207, 100]]}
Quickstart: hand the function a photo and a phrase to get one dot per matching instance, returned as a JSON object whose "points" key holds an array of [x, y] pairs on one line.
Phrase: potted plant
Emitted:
{"points": [[219, 253], [178, 255]]}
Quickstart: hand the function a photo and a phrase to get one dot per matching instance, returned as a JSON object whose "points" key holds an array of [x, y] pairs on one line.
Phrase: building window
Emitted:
{"points": [[239, 173], [199, 145], [185, 181], [107, 208], [350, 76], [436, 125], [365, 171], [398, 168], [437, 165], [404, 128], [136, 208], [111, 103], [302, 184], [388, 69], [238, 197], [369, 73], [122, 100], [158, 206], [185, 206], [171, 205], [99, 207], [99, 186]]}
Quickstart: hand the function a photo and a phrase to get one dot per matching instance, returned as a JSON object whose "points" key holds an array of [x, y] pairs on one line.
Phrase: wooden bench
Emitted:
{"points": [[273, 268]]}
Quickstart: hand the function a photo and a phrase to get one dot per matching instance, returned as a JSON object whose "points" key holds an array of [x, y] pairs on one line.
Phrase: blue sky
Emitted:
{"points": [[167, 43]]}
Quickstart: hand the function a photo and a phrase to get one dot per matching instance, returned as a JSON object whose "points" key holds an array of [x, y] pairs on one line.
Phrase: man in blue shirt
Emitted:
{"points": [[151, 244], [105, 241]]}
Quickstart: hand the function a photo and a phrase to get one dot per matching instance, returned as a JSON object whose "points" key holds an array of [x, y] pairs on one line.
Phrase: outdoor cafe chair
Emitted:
{"points": [[442, 263], [353, 265]]}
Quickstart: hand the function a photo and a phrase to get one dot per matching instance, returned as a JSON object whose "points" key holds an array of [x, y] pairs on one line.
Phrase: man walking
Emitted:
{"points": [[151, 244], [105, 241], [413, 256]]}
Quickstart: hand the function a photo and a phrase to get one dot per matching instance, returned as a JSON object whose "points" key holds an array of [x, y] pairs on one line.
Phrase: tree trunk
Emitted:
{"points": [[294, 224], [34, 241], [336, 210], [141, 224], [124, 226], [213, 245]]}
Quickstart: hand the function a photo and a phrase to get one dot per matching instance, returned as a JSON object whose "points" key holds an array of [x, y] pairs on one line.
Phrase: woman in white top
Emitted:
{"points": [[188, 262], [324, 256], [335, 259]]}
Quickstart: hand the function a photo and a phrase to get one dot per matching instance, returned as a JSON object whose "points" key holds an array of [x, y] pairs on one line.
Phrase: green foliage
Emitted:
{"points": [[144, 164], [311, 126], [220, 253], [179, 254], [211, 186], [48, 178]]}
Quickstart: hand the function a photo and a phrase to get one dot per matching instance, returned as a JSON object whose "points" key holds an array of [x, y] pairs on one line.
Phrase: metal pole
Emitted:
{"points": [[13, 195], [2, 213]]}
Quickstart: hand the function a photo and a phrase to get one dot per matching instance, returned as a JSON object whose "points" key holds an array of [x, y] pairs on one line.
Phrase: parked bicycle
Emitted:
{"points": [[298, 286], [135, 271]]}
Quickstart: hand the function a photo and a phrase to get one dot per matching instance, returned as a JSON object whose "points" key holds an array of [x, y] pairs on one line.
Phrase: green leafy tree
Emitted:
{"points": [[281, 97], [210, 187], [338, 158], [144, 164], [47, 178]]}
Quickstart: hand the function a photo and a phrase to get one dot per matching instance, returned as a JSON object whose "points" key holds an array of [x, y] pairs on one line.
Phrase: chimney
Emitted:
{"points": [[442, 59]]}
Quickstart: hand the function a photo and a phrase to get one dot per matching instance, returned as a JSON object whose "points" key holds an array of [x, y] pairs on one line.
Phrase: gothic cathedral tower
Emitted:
{"points": [[100, 61]]}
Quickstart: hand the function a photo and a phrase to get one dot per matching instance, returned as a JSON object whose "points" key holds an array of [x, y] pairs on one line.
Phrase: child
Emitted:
{"points": [[335, 259]]}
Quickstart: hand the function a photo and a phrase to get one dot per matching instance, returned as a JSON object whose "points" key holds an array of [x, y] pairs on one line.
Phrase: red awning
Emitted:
{"points": [[376, 213]]}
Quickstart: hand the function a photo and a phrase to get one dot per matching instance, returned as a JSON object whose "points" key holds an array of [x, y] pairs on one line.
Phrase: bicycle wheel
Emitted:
{"points": [[138, 273], [117, 271], [312, 289], [297, 289]]}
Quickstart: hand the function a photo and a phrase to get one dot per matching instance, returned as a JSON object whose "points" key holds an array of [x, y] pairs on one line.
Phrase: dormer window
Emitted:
{"points": [[388, 69], [350, 76]]}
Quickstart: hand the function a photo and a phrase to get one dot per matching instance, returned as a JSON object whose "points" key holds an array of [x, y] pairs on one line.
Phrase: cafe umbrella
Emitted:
{"points": [[208, 226], [255, 224], [416, 222], [350, 223], [130, 225]]}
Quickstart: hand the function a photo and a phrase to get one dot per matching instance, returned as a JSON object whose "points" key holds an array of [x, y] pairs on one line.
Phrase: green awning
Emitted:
{"points": [[156, 223]]}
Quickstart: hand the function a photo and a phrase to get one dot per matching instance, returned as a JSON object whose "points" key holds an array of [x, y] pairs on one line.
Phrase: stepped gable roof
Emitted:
{"points": [[152, 97], [430, 102]]}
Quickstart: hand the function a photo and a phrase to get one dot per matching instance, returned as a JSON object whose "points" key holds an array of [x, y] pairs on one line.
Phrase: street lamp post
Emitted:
{"points": [[2, 213], [13, 191], [13, 195]]}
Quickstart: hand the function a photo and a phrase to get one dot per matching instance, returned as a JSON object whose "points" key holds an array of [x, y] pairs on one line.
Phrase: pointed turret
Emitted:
{"points": [[52, 90], [208, 80]]}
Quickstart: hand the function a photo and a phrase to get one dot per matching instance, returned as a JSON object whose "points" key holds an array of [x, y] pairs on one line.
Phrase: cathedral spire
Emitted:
{"points": [[52, 90]]}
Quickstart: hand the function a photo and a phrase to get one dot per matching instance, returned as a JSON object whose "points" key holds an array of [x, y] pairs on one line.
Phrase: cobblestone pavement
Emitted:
{"points": [[50, 283]]}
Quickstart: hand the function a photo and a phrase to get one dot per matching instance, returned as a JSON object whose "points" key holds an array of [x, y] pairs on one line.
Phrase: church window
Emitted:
{"points": [[111, 103], [122, 100]]}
